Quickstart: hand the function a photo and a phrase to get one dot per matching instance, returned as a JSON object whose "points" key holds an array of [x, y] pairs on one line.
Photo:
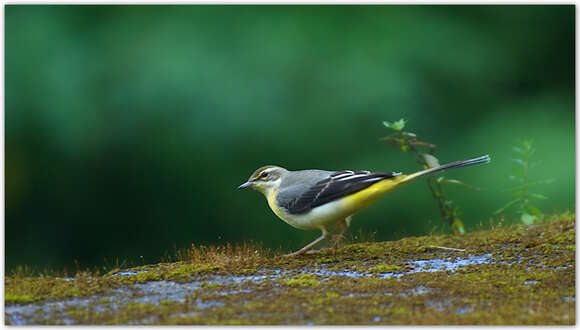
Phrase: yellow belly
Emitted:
{"points": [[364, 198]]}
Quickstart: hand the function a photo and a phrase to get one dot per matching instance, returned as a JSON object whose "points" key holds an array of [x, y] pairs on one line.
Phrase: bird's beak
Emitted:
{"points": [[245, 185]]}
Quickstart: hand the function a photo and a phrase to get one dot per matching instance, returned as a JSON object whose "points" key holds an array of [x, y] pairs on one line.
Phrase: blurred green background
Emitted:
{"points": [[128, 128]]}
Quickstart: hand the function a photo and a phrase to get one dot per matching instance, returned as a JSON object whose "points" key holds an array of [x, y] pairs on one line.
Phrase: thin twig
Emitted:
{"points": [[424, 144], [446, 248]]}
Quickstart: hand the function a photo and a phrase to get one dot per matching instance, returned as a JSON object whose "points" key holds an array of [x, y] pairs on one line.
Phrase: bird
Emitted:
{"points": [[316, 199]]}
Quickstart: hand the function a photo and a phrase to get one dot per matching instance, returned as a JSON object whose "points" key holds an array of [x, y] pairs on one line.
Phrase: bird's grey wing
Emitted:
{"points": [[301, 198]]}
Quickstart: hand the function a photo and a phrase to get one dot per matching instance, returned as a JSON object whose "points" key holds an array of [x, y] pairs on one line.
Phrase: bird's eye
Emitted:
{"points": [[264, 174]]}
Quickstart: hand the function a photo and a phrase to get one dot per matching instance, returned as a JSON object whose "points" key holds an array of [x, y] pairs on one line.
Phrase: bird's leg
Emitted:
{"points": [[344, 226], [307, 247]]}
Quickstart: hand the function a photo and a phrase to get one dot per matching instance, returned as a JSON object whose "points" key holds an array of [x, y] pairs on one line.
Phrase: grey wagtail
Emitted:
{"points": [[315, 199]]}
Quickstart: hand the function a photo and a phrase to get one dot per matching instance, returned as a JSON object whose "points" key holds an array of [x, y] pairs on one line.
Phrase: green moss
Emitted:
{"points": [[332, 295], [185, 272], [10, 299], [29, 289], [530, 271], [327, 259], [145, 277], [212, 285], [382, 268], [245, 271], [76, 314], [302, 280], [399, 311]]}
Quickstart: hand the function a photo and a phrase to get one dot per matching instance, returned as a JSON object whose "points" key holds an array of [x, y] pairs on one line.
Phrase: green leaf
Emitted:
{"points": [[547, 181], [528, 219], [518, 172], [396, 126], [517, 161], [431, 160], [534, 210], [461, 183], [538, 196], [507, 205]]}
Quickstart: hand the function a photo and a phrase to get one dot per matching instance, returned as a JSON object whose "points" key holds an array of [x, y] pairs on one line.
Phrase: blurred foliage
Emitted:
{"points": [[127, 128], [407, 141], [523, 197]]}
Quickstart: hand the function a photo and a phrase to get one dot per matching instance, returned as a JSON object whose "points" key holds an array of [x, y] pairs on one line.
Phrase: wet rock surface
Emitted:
{"points": [[511, 275]]}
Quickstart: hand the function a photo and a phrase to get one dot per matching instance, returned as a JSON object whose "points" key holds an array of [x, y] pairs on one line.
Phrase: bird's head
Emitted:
{"points": [[265, 179]]}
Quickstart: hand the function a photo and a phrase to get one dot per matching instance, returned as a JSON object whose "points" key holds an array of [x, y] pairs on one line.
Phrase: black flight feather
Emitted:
{"points": [[337, 185]]}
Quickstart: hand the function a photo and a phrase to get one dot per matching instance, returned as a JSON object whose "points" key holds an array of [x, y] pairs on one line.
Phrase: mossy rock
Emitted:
{"points": [[511, 275]]}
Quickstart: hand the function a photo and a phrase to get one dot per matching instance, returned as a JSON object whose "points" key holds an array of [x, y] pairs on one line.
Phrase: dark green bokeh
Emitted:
{"points": [[129, 127]]}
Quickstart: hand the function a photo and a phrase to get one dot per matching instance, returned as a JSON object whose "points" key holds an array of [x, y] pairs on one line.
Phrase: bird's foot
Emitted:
{"points": [[337, 240]]}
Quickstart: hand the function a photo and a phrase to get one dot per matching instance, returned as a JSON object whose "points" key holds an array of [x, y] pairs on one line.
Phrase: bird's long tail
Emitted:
{"points": [[461, 163]]}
